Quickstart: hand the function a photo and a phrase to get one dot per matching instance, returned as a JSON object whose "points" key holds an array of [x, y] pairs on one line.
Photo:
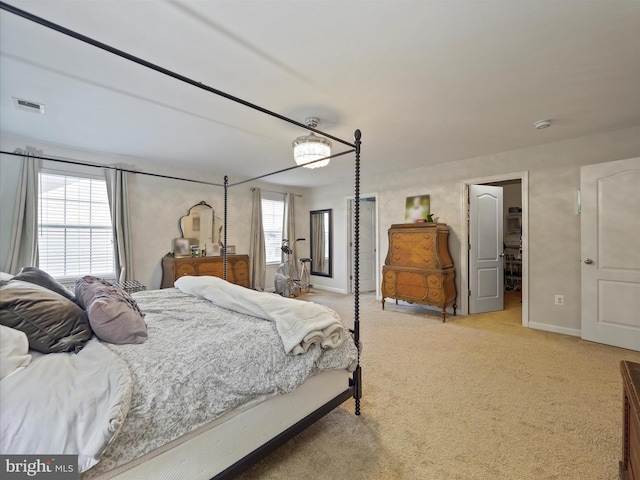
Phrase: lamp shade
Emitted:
{"points": [[309, 148]]}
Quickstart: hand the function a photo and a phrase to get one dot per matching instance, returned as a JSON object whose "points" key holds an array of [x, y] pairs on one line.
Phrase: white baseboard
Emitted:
{"points": [[574, 332], [314, 287], [329, 289]]}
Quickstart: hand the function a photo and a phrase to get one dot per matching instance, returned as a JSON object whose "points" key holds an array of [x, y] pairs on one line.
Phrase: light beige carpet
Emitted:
{"points": [[479, 397]]}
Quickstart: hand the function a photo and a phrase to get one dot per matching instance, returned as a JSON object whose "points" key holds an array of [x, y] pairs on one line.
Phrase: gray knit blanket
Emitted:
{"points": [[201, 360]]}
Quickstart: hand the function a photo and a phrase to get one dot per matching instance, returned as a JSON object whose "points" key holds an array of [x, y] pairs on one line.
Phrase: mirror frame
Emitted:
{"points": [[312, 270], [208, 237]]}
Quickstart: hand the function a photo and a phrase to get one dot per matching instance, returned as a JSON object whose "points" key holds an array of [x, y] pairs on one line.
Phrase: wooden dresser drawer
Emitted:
{"points": [[185, 269], [413, 250], [413, 286], [215, 269], [241, 275], [174, 268]]}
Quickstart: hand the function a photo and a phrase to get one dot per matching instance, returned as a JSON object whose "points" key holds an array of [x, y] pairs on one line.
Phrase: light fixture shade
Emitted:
{"points": [[309, 148]]}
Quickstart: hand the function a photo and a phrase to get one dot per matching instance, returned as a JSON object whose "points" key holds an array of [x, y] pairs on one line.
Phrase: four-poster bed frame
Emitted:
{"points": [[354, 388]]}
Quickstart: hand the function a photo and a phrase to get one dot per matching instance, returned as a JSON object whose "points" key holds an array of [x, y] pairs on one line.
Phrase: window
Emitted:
{"points": [[74, 227], [273, 225]]}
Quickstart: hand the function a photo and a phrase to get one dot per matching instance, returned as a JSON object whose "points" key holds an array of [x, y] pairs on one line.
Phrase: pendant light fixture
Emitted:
{"points": [[308, 148]]}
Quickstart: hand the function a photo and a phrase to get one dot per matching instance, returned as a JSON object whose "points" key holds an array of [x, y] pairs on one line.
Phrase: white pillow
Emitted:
{"points": [[14, 351], [5, 276]]}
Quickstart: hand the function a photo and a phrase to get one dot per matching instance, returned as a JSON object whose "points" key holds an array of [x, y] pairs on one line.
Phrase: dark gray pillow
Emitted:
{"points": [[51, 322], [42, 278], [113, 315]]}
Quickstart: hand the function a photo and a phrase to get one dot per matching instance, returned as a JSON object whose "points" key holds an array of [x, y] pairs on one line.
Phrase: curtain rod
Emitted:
{"points": [[170, 177], [273, 191], [158, 175], [103, 46], [110, 167]]}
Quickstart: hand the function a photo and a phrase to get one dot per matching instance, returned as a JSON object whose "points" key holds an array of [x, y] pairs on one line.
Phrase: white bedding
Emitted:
{"points": [[300, 324], [199, 361], [14, 351], [38, 401]]}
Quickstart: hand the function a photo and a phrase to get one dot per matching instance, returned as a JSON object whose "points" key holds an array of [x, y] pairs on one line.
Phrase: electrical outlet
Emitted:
{"points": [[559, 299]]}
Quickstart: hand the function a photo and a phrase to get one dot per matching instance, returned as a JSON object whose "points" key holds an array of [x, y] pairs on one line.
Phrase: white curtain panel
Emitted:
{"points": [[290, 230], [23, 249], [119, 206], [257, 251]]}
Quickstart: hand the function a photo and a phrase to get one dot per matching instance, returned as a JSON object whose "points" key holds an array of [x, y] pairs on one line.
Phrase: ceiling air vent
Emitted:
{"points": [[28, 105]]}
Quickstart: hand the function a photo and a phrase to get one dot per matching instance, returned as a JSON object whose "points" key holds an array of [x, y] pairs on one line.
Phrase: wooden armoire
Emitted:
{"points": [[630, 463], [418, 267]]}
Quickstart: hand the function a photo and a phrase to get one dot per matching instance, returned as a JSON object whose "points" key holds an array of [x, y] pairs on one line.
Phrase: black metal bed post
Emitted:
{"points": [[357, 374], [224, 242]]}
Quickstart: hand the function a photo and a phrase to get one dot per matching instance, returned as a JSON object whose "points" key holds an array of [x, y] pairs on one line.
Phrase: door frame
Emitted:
{"points": [[464, 240], [349, 229]]}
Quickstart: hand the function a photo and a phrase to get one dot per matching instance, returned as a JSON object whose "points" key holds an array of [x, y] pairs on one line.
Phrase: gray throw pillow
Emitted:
{"points": [[51, 322], [113, 315], [42, 278]]}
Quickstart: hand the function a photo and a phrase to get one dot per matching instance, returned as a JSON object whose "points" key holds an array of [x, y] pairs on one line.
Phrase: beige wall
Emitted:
{"points": [[554, 227], [156, 204], [512, 196]]}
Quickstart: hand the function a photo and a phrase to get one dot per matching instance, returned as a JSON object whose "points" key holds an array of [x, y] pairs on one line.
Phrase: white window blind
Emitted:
{"points": [[74, 227], [273, 225]]}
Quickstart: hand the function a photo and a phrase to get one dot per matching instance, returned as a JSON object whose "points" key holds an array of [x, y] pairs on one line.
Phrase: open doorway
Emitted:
{"points": [[368, 271], [512, 246], [513, 250]]}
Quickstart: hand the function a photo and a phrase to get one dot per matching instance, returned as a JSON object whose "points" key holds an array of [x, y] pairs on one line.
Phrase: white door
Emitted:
{"points": [[486, 269], [368, 234], [368, 245], [610, 245]]}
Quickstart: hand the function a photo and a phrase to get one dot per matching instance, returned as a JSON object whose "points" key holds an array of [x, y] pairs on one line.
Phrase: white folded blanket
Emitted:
{"points": [[299, 324]]}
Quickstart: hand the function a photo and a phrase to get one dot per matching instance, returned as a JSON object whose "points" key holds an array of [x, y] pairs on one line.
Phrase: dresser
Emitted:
{"points": [[418, 267], [174, 268], [630, 463]]}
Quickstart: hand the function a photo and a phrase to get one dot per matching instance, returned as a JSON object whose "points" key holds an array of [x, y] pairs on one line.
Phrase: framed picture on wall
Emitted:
{"points": [[417, 209]]}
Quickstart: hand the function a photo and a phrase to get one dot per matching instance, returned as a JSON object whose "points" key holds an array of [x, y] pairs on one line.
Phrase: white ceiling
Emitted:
{"points": [[426, 81]]}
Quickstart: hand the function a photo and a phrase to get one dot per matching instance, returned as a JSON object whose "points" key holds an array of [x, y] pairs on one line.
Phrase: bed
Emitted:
{"points": [[209, 441], [204, 375]]}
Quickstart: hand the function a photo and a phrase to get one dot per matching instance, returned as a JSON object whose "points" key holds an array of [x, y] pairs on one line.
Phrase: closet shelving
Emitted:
{"points": [[513, 251]]}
